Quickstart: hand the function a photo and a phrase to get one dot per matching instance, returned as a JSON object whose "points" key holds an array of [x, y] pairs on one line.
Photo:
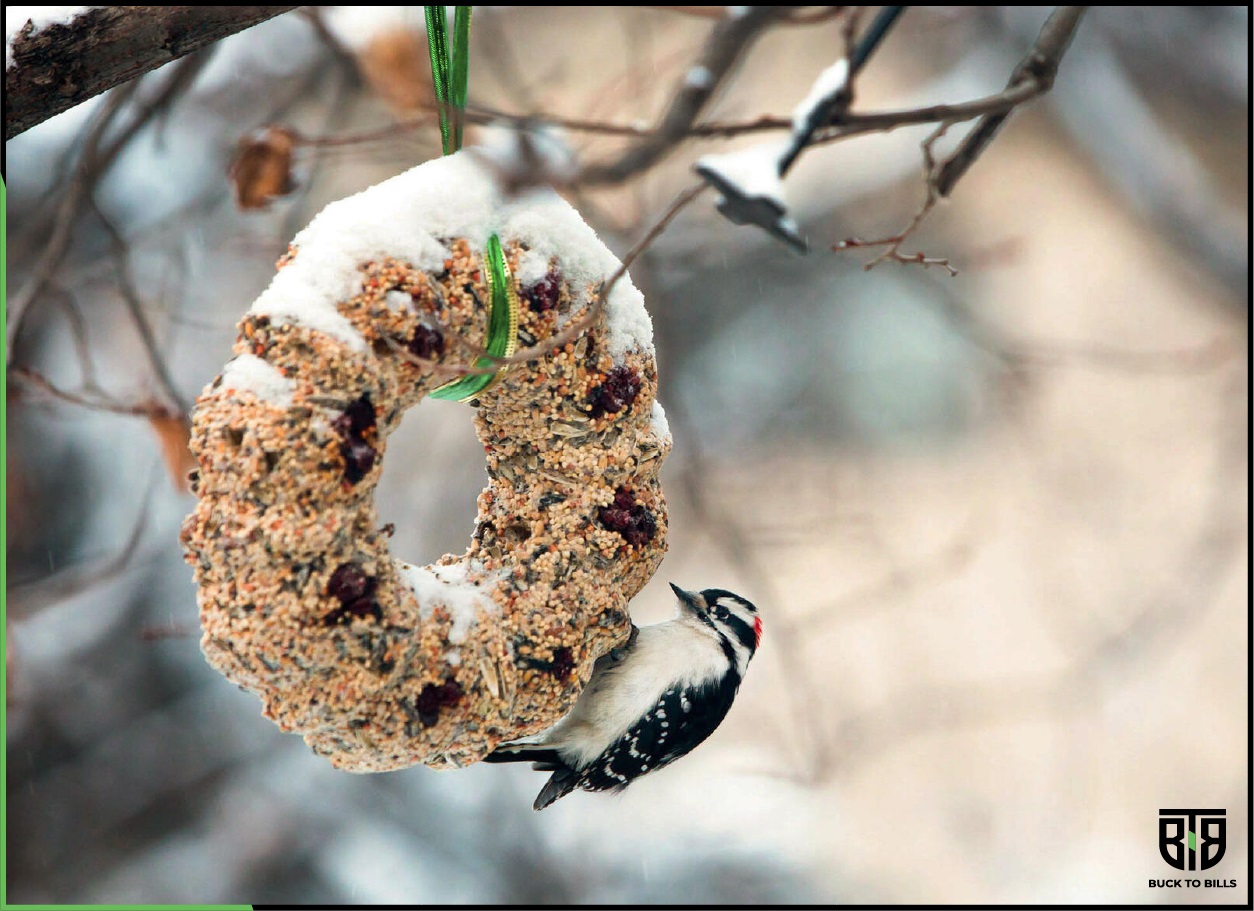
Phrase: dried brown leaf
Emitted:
{"points": [[262, 169]]}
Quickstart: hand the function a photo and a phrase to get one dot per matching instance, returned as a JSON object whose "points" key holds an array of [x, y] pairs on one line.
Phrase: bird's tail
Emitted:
{"points": [[560, 783], [543, 759], [525, 752]]}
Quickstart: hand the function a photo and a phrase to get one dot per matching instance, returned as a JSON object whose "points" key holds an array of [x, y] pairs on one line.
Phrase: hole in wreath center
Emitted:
{"points": [[433, 472]]}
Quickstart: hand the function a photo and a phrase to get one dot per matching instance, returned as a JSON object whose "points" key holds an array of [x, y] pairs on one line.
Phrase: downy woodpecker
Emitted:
{"points": [[649, 702]]}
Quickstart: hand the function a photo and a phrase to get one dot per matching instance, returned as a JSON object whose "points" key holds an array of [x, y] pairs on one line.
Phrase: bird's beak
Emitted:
{"points": [[690, 602]]}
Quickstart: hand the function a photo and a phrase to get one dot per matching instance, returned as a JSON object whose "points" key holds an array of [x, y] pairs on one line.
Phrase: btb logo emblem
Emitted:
{"points": [[1192, 839]]}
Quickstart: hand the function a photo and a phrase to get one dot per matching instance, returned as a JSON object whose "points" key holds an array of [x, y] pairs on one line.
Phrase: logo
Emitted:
{"points": [[1192, 839]]}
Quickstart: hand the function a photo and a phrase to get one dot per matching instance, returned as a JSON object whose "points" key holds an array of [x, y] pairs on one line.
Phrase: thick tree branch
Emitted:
{"points": [[62, 65]]}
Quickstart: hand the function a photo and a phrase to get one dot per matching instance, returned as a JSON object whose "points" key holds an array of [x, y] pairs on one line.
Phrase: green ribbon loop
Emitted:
{"points": [[502, 328], [450, 75]]}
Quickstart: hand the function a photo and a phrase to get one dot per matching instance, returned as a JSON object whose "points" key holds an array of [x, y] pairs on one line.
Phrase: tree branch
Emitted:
{"points": [[62, 65], [1037, 70], [731, 37]]}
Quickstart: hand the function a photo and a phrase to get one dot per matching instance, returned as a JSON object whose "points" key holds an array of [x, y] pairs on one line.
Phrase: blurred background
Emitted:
{"points": [[996, 523]]}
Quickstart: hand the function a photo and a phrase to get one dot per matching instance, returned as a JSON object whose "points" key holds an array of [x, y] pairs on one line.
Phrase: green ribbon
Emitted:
{"points": [[502, 328], [450, 76]]}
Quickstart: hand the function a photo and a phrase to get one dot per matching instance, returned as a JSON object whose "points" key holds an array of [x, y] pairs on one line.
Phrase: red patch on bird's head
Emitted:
{"points": [[757, 631]]}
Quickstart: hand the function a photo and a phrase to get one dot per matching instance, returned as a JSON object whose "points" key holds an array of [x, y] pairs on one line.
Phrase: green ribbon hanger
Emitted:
{"points": [[502, 328], [450, 77]]}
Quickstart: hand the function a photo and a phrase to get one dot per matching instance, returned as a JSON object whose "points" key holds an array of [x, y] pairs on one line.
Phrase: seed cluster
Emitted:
{"points": [[300, 599]]}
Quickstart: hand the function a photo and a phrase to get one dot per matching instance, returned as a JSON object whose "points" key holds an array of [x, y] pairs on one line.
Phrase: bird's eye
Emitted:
{"points": [[720, 612]]}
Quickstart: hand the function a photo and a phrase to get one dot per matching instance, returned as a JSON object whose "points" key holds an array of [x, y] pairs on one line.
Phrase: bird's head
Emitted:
{"points": [[732, 617]]}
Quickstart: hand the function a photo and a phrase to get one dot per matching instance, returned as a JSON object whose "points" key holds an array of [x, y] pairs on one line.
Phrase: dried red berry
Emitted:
{"points": [[644, 527], [617, 392], [358, 459], [615, 519], [630, 519], [357, 418], [543, 294], [434, 697], [356, 421], [349, 582], [563, 663], [426, 343]]}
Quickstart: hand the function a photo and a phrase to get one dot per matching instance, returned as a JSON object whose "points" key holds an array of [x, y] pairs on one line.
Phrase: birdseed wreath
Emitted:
{"points": [[380, 664]]}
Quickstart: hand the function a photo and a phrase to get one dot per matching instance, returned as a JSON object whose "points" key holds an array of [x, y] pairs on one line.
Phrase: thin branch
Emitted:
{"points": [[95, 160], [27, 598], [78, 332], [94, 402], [1033, 76], [85, 173], [64, 64], [130, 295], [818, 15], [894, 242], [851, 124], [729, 39], [1036, 70]]}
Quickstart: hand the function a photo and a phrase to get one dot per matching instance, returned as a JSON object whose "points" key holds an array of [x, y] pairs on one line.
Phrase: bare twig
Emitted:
{"points": [[134, 307], [96, 158], [729, 39], [66, 213], [576, 328], [851, 124], [82, 345], [817, 15], [1032, 77], [27, 598], [894, 242], [62, 65], [1037, 70], [97, 402]]}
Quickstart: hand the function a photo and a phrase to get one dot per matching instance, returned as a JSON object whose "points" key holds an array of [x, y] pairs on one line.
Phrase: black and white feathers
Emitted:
{"points": [[650, 702]]}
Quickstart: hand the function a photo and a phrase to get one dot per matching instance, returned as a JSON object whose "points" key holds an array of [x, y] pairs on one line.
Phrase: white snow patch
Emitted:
{"points": [[451, 588], [831, 82], [249, 373], [661, 427], [16, 17], [453, 658], [407, 216], [532, 267], [398, 300], [629, 323], [357, 26], [754, 169]]}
